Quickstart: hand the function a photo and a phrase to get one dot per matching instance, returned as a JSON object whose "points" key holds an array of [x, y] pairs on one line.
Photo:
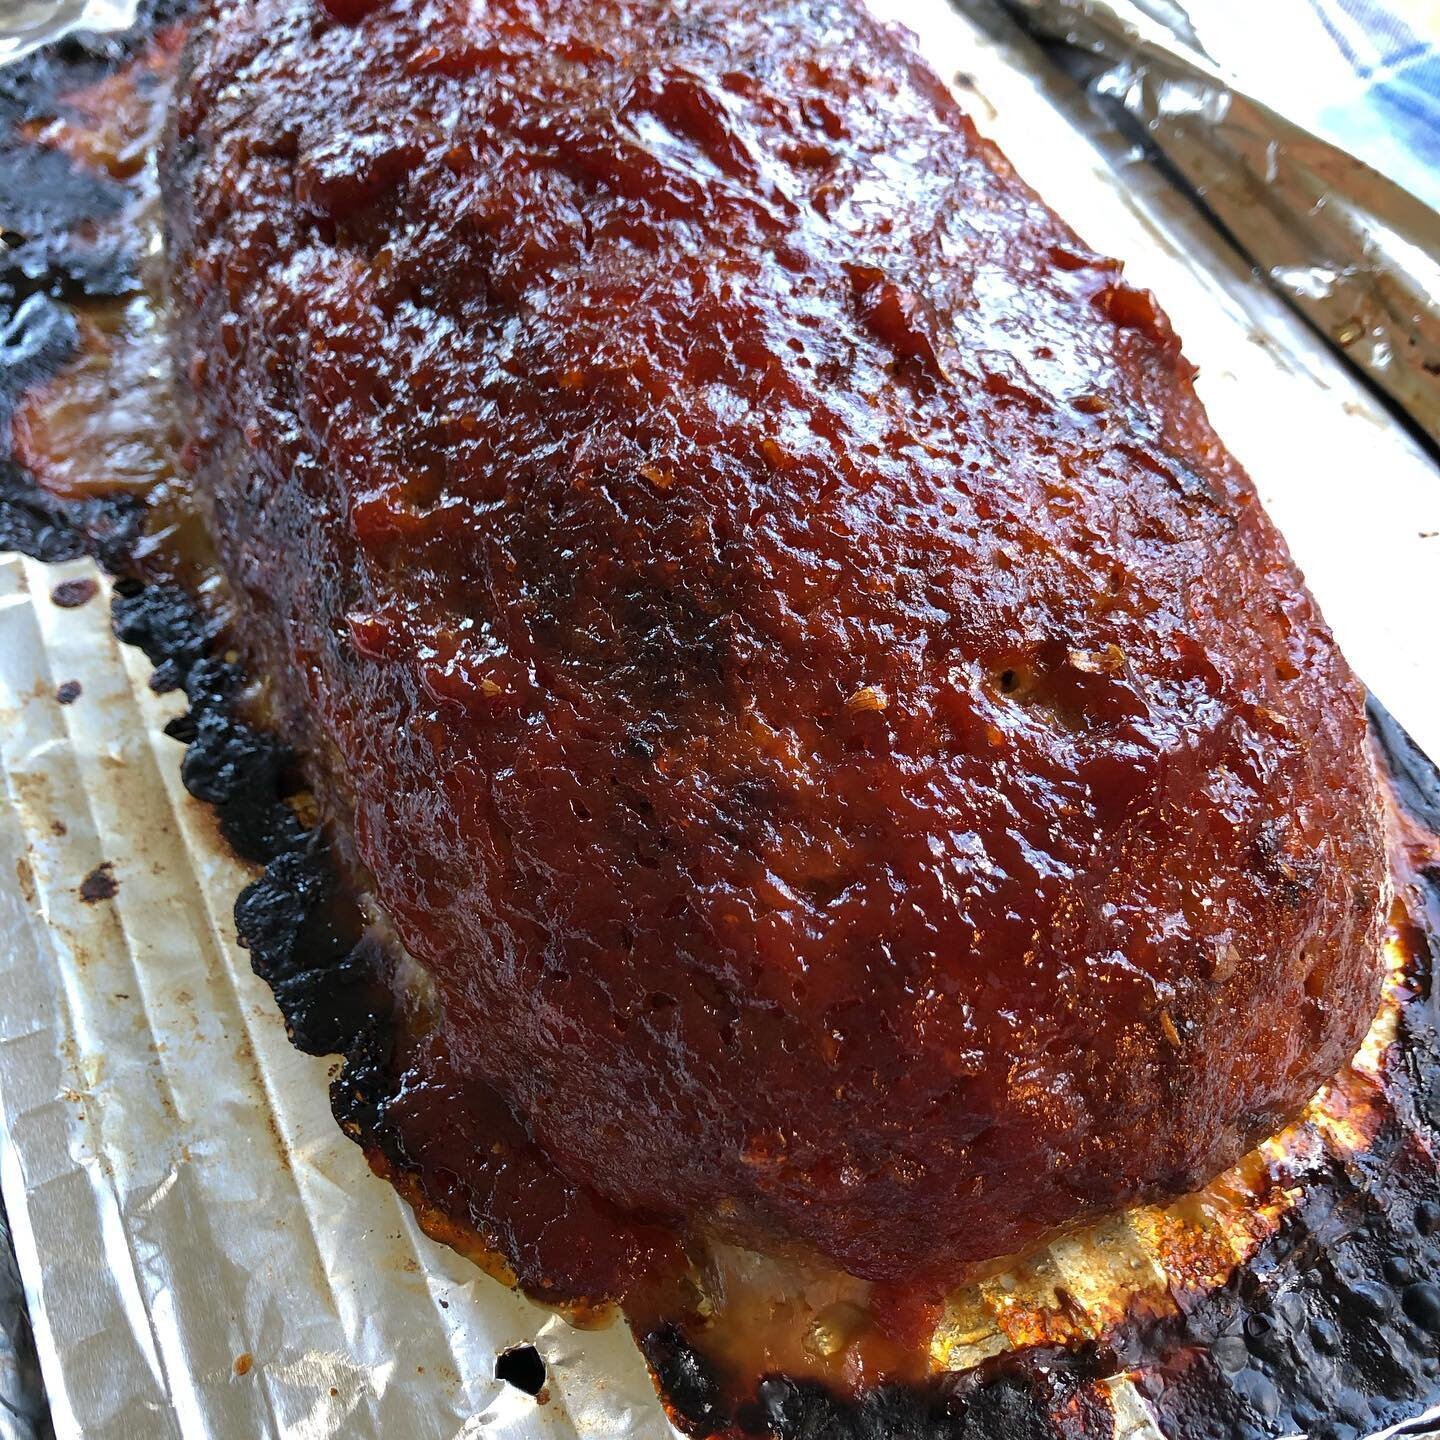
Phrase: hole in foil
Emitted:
{"points": [[522, 1367]]}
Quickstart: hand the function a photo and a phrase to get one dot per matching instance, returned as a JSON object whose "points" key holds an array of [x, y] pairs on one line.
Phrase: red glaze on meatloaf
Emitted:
{"points": [[805, 678]]}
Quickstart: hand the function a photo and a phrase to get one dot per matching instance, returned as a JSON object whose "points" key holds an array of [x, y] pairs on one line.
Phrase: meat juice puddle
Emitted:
{"points": [[105, 424]]}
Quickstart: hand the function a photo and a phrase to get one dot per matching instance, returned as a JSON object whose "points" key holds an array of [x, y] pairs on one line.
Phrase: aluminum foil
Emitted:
{"points": [[204, 1254], [1355, 253], [25, 25]]}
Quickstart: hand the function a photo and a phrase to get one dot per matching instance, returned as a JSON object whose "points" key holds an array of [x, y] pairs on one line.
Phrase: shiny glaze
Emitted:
{"points": [[860, 769]]}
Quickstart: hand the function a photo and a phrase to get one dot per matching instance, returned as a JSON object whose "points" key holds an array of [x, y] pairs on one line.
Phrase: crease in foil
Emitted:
{"points": [[204, 1254], [26, 25], [1355, 253]]}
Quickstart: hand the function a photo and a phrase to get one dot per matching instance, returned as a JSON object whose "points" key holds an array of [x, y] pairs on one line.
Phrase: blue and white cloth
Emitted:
{"points": [[1364, 74], [1394, 52]]}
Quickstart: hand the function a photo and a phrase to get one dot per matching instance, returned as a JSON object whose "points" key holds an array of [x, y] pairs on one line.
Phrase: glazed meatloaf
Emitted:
{"points": [[767, 610]]}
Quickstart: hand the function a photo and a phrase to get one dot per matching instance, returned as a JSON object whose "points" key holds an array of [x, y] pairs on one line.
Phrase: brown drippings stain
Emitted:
{"points": [[282, 1150], [58, 827], [67, 693], [99, 884], [243, 1362], [25, 876], [71, 594]]}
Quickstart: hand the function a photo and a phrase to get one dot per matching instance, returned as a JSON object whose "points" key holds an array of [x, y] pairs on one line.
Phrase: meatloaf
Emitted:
{"points": [[767, 612]]}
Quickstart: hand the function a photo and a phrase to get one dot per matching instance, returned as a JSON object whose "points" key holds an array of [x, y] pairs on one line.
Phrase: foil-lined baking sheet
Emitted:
{"points": [[204, 1254]]}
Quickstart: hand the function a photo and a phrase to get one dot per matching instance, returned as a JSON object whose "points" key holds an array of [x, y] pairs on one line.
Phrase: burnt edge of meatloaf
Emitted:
{"points": [[1333, 1326]]}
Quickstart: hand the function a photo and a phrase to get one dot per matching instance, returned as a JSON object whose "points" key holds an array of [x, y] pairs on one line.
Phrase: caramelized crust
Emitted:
{"points": [[808, 684]]}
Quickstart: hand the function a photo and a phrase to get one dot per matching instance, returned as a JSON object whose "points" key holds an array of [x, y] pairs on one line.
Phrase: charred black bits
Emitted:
{"points": [[233, 767], [522, 1367], [1230, 1353], [67, 692], [99, 884], [1411, 773], [327, 1006], [1258, 1392], [360, 1093], [685, 1378], [27, 523], [182, 728], [38, 336], [1010, 1397], [1421, 1303], [307, 943], [1399, 1270], [167, 625], [270, 914], [1370, 1299]]}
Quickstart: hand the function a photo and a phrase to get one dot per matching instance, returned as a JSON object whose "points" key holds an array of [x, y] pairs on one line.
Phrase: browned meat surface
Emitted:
{"points": [[806, 680]]}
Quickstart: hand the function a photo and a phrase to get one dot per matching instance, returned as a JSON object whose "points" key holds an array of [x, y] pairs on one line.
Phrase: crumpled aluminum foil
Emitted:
{"points": [[204, 1254], [1355, 253], [25, 25]]}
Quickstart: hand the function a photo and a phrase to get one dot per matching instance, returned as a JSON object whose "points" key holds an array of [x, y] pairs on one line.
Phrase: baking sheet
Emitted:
{"points": [[204, 1253]]}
